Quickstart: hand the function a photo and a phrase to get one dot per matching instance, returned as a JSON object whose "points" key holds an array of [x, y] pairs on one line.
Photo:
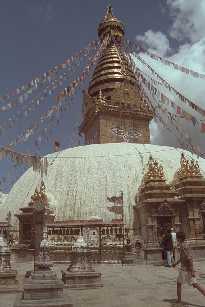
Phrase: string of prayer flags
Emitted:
{"points": [[138, 47], [75, 83], [22, 93], [38, 163], [164, 99], [35, 102], [180, 96], [171, 88], [180, 132]]}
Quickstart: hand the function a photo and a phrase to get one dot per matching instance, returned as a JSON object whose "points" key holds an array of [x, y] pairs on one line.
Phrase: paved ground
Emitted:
{"points": [[142, 285]]}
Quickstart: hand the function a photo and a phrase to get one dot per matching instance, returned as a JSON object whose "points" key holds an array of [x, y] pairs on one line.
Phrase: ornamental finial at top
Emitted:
{"points": [[109, 13], [155, 171], [188, 169]]}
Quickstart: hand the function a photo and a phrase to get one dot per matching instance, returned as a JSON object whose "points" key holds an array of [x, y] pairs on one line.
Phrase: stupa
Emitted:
{"points": [[80, 179]]}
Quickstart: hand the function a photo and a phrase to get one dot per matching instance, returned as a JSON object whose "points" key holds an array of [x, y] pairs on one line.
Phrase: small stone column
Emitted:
{"points": [[42, 287]]}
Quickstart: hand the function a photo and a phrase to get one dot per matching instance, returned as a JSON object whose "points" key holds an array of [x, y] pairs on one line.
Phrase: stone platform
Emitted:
{"points": [[44, 303], [82, 279], [143, 285], [8, 281], [42, 289]]}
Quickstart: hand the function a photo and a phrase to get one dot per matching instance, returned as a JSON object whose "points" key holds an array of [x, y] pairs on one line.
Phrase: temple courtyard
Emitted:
{"points": [[140, 285]]}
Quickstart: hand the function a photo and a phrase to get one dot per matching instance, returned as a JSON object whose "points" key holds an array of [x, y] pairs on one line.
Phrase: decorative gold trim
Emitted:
{"points": [[155, 171]]}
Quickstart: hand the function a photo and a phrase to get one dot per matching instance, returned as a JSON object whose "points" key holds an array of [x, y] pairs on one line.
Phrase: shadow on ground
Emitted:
{"points": [[173, 303]]}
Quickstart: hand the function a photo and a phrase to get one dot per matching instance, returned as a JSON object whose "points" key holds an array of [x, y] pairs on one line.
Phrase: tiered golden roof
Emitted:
{"points": [[154, 188], [39, 196], [155, 171], [188, 169], [112, 68]]}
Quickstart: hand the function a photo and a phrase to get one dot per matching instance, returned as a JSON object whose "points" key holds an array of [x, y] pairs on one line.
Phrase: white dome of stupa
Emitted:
{"points": [[3, 197], [3, 210], [80, 179]]}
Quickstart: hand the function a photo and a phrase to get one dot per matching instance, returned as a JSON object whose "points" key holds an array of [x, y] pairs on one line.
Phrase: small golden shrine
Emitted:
{"points": [[188, 180], [39, 195], [34, 218], [188, 169], [154, 186], [155, 171], [179, 204]]}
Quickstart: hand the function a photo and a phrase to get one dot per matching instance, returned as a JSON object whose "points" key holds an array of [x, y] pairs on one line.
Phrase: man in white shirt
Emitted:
{"points": [[174, 242]]}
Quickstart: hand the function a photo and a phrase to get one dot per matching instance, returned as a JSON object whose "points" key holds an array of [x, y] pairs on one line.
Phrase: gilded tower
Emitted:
{"points": [[113, 105]]}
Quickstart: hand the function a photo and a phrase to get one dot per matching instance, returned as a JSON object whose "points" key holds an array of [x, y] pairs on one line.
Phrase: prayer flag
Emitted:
{"points": [[56, 145], [203, 127], [193, 120], [179, 110], [117, 209], [116, 199]]}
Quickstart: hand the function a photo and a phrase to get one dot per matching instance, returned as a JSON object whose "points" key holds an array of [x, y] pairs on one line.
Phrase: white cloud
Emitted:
{"points": [[188, 17], [191, 55], [156, 41]]}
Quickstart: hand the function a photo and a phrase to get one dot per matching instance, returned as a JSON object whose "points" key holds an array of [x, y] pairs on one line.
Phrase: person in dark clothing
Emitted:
{"points": [[167, 246], [187, 272]]}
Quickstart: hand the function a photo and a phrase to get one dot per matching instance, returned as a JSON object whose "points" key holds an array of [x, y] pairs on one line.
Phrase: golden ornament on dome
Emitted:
{"points": [[155, 171], [188, 169], [39, 196]]}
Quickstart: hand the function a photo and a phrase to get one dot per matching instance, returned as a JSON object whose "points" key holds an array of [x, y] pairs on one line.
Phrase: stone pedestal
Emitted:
{"points": [[8, 276], [82, 279], [153, 255], [42, 289], [8, 281], [80, 274]]}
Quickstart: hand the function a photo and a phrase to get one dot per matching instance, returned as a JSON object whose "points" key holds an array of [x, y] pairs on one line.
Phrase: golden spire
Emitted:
{"points": [[113, 67], [39, 196], [154, 172], [109, 13], [110, 24], [188, 169]]}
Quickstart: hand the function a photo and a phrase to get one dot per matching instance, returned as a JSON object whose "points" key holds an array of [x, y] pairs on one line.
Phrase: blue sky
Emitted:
{"points": [[37, 34]]}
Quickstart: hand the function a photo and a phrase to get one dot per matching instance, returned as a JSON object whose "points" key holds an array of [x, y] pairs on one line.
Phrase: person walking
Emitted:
{"points": [[186, 272], [167, 246], [174, 243]]}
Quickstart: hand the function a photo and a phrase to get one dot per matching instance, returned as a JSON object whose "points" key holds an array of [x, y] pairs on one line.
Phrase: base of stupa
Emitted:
{"points": [[42, 289], [8, 281], [82, 279]]}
